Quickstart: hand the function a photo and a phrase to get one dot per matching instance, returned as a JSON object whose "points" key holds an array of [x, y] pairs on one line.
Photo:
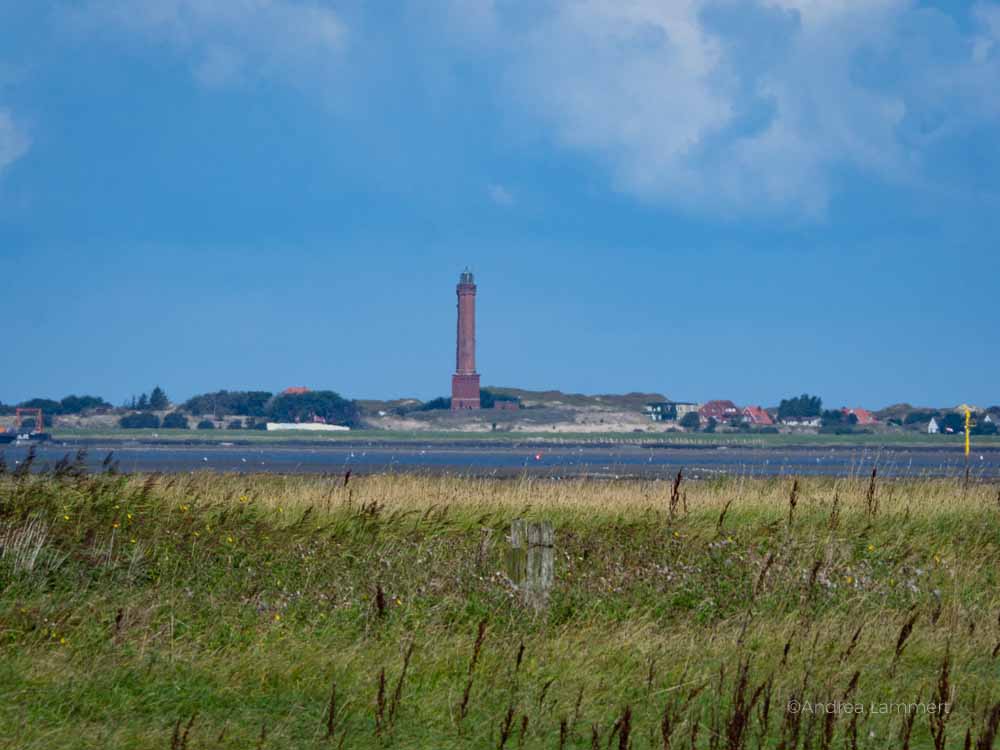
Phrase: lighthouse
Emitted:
{"points": [[465, 381]]}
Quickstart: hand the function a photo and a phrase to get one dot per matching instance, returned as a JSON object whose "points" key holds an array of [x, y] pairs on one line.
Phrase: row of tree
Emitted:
{"points": [[803, 406], [243, 403], [175, 420], [156, 400], [327, 406], [69, 405]]}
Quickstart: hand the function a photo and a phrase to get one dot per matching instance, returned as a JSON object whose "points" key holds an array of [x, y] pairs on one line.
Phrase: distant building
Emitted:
{"points": [[757, 415], [932, 427], [309, 426], [719, 410], [506, 405], [863, 416], [295, 390], [465, 381], [669, 411], [802, 421]]}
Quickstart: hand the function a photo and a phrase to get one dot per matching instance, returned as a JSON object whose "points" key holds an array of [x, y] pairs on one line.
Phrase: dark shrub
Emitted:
{"points": [[175, 421], [206, 424], [140, 421]]}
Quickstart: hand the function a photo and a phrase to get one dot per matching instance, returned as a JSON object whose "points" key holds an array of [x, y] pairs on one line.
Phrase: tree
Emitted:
{"points": [[206, 424], [441, 402], [243, 403], [175, 421], [304, 407], [984, 428], [712, 423], [158, 400], [140, 421], [236, 424], [800, 406], [47, 405], [143, 403], [833, 418], [488, 399], [953, 422], [78, 404], [691, 421]]}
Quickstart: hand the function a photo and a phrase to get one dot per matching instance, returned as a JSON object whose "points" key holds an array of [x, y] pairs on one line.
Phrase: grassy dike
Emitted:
{"points": [[211, 611]]}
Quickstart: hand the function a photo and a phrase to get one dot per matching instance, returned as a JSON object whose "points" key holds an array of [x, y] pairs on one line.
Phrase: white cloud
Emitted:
{"points": [[743, 107], [228, 40], [501, 195], [14, 141]]}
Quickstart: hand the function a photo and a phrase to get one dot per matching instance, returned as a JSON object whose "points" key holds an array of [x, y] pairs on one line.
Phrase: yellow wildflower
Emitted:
{"points": [[871, 547], [849, 579], [277, 616], [114, 525], [65, 518], [184, 508]]}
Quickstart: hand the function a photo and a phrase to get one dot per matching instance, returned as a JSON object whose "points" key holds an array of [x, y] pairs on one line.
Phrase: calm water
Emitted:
{"points": [[507, 460]]}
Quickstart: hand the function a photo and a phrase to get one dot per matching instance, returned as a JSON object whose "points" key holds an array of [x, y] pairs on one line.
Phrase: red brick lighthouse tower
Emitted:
{"points": [[465, 381]]}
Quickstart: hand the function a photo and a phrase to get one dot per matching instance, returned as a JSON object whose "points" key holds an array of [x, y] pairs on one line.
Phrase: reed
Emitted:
{"points": [[126, 602]]}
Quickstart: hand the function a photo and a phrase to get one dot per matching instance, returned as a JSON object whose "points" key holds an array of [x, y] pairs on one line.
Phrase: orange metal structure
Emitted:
{"points": [[36, 413]]}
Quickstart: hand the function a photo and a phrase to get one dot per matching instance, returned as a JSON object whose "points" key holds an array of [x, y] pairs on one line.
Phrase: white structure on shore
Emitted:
{"points": [[310, 426], [932, 427]]}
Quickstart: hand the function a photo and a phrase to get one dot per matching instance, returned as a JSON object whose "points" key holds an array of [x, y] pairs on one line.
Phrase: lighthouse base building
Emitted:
{"points": [[464, 392]]}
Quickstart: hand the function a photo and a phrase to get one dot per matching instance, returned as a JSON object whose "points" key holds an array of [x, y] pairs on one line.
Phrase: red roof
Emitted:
{"points": [[718, 410], [864, 416], [757, 415], [295, 390]]}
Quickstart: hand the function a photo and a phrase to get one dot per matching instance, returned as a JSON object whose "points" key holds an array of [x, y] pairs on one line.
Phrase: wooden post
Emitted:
{"points": [[531, 560]]}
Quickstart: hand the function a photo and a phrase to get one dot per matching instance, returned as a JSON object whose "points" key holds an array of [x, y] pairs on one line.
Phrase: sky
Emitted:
{"points": [[703, 198]]}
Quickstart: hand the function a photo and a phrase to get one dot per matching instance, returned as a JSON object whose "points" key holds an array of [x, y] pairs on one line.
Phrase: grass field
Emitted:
{"points": [[897, 439], [208, 611]]}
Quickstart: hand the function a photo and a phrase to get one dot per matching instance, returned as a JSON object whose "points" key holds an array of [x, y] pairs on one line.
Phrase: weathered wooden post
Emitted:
{"points": [[531, 560]]}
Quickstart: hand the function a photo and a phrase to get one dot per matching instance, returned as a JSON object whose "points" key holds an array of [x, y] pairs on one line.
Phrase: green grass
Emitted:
{"points": [[895, 439], [244, 602]]}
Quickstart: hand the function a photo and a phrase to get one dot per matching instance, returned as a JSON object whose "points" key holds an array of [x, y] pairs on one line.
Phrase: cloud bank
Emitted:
{"points": [[732, 107], [746, 107]]}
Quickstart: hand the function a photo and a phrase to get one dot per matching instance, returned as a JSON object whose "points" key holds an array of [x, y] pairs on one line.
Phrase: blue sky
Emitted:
{"points": [[705, 198]]}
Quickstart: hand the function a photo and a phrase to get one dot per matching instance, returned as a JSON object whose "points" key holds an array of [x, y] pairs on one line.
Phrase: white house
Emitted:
{"points": [[932, 427]]}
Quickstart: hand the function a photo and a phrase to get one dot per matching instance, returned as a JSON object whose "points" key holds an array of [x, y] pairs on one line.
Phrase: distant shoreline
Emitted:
{"points": [[387, 438]]}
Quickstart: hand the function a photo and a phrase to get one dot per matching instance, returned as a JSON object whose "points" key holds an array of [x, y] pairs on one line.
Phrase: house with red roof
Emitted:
{"points": [[757, 416], [862, 415], [721, 411]]}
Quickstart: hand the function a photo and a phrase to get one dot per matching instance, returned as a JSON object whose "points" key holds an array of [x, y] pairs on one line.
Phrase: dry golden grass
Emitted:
{"points": [[408, 492]]}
